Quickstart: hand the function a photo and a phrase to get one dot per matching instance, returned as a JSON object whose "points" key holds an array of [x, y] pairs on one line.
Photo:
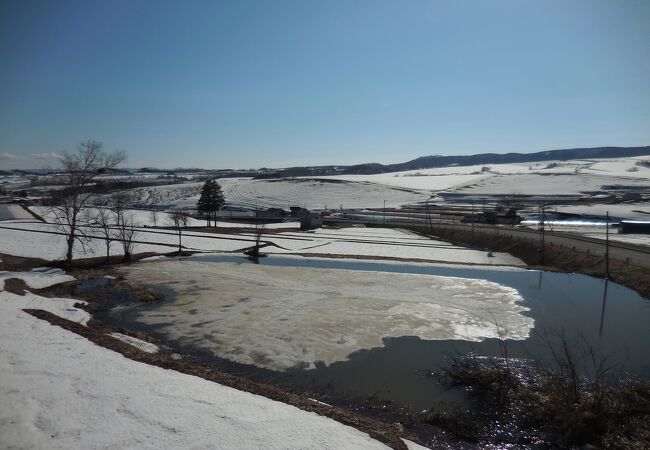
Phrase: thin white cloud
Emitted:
{"points": [[48, 155], [6, 155]]}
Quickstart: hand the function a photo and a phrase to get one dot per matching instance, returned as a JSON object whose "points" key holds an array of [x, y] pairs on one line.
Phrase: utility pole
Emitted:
{"points": [[473, 218], [607, 247], [541, 233], [496, 224]]}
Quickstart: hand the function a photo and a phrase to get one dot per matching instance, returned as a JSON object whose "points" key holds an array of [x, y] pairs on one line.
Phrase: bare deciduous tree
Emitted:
{"points": [[125, 223], [104, 220], [80, 169], [178, 219], [126, 232]]}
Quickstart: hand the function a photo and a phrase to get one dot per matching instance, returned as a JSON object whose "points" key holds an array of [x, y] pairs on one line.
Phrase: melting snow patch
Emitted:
{"points": [[38, 278], [145, 346]]}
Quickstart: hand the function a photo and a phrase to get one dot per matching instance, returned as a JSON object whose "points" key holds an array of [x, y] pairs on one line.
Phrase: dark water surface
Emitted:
{"points": [[615, 320]]}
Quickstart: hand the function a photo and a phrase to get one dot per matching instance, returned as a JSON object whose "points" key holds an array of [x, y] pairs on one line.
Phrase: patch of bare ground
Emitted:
{"points": [[19, 263], [99, 262], [386, 433], [15, 286], [101, 295]]}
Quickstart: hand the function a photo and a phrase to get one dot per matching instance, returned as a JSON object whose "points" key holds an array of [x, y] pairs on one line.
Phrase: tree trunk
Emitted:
{"points": [[68, 256], [180, 237], [108, 251], [71, 237]]}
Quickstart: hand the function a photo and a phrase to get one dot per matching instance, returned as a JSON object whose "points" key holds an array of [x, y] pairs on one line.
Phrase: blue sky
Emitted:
{"points": [[274, 83]]}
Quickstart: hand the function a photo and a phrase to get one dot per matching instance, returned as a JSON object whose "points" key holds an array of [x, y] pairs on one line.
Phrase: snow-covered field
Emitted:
{"points": [[549, 178], [576, 184], [316, 194], [152, 218], [13, 212], [628, 210], [283, 317], [382, 242], [498, 178], [164, 195], [42, 240], [61, 391], [556, 178]]}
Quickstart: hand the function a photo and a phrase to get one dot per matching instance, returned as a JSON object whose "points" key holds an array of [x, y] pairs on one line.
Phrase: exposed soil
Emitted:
{"points": [[18, 263], [15, 286]]}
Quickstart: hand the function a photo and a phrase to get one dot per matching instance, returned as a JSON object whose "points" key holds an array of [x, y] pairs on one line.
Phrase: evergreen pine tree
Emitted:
{"points": [[203, 205], [211, 200], [216, 198]]}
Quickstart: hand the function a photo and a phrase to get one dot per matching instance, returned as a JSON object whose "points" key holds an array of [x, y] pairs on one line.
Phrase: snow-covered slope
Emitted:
{"points": [[60, 391]]}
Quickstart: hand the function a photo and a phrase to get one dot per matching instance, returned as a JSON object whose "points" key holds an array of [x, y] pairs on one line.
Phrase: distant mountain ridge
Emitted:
{"points": [[428, 162], [425, 162]]}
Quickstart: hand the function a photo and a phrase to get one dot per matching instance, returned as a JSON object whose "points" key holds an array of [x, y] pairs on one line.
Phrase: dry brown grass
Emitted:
{"points": [[553, 403]]}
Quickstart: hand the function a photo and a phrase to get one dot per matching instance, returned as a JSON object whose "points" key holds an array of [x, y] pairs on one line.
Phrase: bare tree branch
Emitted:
{"points": [[80, 169]]}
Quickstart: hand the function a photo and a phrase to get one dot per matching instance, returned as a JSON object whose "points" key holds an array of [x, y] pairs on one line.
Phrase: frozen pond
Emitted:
{"points": [[284, 317], [376, 329]]}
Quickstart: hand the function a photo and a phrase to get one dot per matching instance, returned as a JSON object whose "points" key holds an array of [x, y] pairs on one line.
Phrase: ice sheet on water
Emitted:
{"points": [[281, 317]]}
